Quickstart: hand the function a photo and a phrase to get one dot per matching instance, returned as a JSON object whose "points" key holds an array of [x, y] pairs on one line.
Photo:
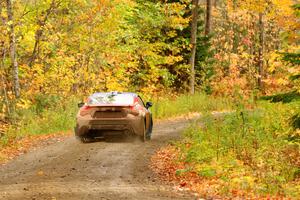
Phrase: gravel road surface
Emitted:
{"points": [[113, 168]]}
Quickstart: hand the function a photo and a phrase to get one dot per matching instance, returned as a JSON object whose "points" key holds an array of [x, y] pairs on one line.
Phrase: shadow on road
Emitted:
{"points": [[117, 138]]}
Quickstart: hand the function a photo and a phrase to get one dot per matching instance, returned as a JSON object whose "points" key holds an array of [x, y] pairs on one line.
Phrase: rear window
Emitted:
{"points": [[111, 99]]}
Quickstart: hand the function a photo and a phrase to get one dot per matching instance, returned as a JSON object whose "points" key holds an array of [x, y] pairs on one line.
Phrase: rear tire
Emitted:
{"points": [[148, 137], [149, 131], [143, 137], [85, 139]]}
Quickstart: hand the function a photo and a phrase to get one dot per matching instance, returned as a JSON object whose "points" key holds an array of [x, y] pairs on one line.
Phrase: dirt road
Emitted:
{"points": [[111, 169]]}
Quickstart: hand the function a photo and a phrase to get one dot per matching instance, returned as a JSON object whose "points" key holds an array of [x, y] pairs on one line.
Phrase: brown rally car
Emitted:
{"points": [[107, 113]]}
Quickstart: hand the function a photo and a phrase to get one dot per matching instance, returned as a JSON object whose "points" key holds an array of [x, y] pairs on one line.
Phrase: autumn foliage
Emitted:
{"points": [[54, 53], [77, 47]]}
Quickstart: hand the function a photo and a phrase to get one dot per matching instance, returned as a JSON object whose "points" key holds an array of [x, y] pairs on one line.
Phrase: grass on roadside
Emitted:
{"points": [[184, 104], [256, 152]]}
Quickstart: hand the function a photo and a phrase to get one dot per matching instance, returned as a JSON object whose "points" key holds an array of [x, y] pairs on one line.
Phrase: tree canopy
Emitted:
{"points": [[77, 47]]}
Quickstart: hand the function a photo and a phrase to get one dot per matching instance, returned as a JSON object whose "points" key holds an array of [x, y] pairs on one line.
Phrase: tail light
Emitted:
{"points": [[136, 107], [85, 110]]}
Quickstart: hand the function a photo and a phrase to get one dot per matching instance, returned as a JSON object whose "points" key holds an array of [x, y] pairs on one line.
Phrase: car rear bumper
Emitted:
{"points": [[133, 125]]}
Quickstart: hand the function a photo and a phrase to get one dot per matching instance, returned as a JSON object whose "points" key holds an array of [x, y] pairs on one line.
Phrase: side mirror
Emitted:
{"points": [[149, 104], [80, 104]]}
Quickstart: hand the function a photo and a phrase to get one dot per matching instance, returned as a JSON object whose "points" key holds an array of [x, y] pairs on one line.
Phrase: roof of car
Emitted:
{"points": [[116, 93]]}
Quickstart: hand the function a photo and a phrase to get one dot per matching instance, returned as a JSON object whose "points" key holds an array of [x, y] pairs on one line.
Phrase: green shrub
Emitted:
{"points": [[283, 97]]}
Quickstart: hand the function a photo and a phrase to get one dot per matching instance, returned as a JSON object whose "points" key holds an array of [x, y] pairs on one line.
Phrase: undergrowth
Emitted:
{"points": [[48, 114], [255, 151]]}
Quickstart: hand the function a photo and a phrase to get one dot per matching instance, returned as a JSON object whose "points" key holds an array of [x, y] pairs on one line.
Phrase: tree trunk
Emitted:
{"points": [[193, 44], [12, 48], [3, 81], [215, 3], [208, 16], [39, 32], [261, 52]]}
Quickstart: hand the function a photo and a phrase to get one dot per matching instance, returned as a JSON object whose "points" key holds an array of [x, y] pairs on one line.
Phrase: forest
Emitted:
{"points": [[186, 56]]}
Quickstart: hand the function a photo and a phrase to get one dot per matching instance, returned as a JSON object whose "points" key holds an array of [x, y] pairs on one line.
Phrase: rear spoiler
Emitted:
{"points": [[111, 105]]}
